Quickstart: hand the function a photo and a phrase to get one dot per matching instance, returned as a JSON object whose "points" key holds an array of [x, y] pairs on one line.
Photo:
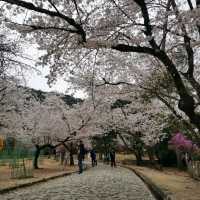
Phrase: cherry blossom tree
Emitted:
{"points": [[34, 117], [8, 50], [138, 123], [168, 31], [143, 127], [159, 85], [182, 145], [108, 48], [46, 121], [10, 104]]}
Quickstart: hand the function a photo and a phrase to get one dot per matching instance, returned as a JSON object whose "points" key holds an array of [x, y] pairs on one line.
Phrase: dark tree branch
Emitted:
{"points": [[66, 146], [125, 143], [189, 75], [93, 79], [37, 27], [187, 41], [122, 11], [77, 10], [165, 26], [84, 123], [137, 49], [149, 31], [186, 102], [32, 7], [155, 92], [198, 3], [169, 106], [193, 82], [190, 4], [179, 117], [2, 90], [110, 83], [50, 1]]}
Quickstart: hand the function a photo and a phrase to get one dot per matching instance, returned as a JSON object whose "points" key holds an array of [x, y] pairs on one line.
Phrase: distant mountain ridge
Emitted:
{"points": [[41, 96]]}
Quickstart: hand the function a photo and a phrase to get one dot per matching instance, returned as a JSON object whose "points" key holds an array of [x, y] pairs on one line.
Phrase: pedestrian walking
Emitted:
{"points": [[93, 157], [112, 158], [66, 160], [81, 156]]}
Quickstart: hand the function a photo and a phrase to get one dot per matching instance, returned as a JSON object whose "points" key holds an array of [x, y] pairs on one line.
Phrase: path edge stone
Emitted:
{"points": [[41, 180], [156, 190]]}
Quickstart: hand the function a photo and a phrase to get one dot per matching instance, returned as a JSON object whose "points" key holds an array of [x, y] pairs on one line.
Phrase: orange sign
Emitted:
{"points": [[1, 144]]}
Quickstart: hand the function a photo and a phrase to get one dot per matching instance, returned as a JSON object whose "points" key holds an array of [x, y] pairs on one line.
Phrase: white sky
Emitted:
{"points": [[32, 78], [38, 81]]}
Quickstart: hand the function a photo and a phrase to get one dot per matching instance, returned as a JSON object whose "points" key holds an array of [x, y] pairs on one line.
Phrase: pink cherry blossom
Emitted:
{"points": [[179, 141]]}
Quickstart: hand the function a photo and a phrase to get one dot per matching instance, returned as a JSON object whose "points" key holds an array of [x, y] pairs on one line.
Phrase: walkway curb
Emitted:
{"points": [[2, 191], [157, 191], [5, 190]]}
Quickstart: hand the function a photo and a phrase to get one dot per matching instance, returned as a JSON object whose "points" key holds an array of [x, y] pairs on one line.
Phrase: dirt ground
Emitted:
{"points": [[179, 184], [176, 182], [48, 168]]}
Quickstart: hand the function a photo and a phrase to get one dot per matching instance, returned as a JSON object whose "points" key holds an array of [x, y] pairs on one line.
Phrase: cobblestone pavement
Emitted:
{"points": [[99, 183]]}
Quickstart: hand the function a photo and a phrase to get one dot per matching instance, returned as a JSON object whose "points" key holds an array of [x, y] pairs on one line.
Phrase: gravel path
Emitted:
{"points": [[99, 183]]}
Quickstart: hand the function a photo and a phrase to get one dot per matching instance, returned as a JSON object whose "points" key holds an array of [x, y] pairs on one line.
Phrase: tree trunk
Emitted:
{"points": [[138, 156], [186, 102], [71, 153], [36, 156], [100, 156], [37, 153], [158, 157], [179, 161], [62, 157], [150, 153]]}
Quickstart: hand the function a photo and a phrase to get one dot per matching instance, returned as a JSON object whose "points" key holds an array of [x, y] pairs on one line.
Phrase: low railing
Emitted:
{"points": [[20, 168]]}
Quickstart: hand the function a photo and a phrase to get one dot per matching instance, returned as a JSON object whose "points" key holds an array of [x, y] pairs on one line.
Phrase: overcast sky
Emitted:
{"points": [[34, 79], [38, 81]]}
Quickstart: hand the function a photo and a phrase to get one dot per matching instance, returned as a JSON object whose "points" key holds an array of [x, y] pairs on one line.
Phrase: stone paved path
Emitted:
{"points": [[99, 183]]}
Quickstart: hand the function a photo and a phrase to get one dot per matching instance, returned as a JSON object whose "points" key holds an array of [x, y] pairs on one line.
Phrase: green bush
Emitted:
{"points": [[196, 156], [166, 157]]}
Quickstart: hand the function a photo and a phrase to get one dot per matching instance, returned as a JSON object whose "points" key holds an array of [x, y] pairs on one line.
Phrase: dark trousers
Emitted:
{"points": [[80, 165], [113, 163], [94, 162]]}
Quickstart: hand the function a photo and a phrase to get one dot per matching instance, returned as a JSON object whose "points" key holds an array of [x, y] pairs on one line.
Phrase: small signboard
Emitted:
{"points": [[1, 143]]}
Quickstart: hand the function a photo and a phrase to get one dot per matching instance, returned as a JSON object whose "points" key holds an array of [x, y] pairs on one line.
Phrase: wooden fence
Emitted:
{"points": [[21, 168]]}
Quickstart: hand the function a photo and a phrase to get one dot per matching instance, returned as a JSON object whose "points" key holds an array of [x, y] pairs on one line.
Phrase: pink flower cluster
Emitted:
{"points": [[179, 141]]}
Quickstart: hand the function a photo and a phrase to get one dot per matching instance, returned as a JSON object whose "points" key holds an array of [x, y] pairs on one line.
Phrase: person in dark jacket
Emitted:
{"points": [[81, 156], [93, 157], [112, 158]]}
